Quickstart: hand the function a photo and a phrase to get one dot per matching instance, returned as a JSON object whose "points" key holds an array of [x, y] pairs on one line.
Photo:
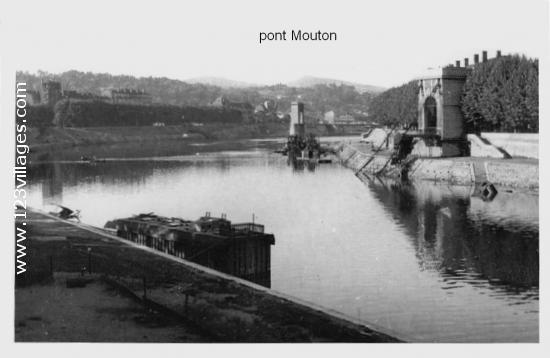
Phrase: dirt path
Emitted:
{"points": [[94, 313]]}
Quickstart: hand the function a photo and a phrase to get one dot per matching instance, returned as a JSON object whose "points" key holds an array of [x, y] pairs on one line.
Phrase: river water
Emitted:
{"points": [[428, 262]]}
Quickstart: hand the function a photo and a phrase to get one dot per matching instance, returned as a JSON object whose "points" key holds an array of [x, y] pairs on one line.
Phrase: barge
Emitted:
{"points": [[242, 249], [302, 149]]}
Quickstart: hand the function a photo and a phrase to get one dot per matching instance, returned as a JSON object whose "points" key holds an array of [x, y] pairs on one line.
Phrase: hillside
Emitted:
{"points": [[220, 82], [302, 82], [310, 81], [318, 98]]}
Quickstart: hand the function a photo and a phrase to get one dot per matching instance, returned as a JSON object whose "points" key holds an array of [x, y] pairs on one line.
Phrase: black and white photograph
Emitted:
{"points": [[273, 172]]}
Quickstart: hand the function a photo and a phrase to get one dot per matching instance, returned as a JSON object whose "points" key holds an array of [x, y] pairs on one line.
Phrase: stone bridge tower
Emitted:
{"points": [[440, 119], [297, 124]]}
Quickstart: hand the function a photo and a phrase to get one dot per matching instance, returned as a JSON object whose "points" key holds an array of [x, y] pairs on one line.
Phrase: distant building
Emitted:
{"points": [[329, 117], [84, 96], [283, 116], [33, 97], [266, 111], [270, 106], [220, 102], [345, 119], [51, 92], [130, 96], [70, 94], [223, 102], [259, 109]]}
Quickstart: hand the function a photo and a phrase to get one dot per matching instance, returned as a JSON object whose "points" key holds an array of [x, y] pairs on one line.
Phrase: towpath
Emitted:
{"points": [[218, 306]]}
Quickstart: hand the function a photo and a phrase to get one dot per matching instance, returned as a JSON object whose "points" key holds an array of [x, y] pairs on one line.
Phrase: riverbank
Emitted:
{"points": [[53, 138], [222, 307], [95, 312], [521, 173]]}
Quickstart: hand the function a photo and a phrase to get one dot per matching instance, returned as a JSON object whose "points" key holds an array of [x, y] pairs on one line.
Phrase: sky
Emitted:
{"points": [[382, 43]]}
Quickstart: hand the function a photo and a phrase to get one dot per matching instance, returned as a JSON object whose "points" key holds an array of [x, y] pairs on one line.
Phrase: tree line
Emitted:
{"points": [[396, 106], [500, 95]]}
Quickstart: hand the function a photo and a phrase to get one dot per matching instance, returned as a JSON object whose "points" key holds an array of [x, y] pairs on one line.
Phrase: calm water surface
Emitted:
{"points": [[426, 261]]}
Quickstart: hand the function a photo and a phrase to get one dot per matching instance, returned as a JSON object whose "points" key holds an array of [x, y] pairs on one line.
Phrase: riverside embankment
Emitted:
{"points": [[521, 173], [53, 138], [220, 307]]}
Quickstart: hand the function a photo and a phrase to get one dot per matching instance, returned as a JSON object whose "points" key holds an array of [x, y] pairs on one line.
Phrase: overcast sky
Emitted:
{"points": [[383, 43]]}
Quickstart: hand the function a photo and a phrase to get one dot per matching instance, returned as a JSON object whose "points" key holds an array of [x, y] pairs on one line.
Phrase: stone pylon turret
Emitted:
{"points": [[297, 124]]}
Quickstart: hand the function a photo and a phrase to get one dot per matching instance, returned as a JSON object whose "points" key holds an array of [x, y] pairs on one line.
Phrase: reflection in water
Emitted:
{"points": [[465, 246], [150, 149], [300, 164], [52, 190], [426, 261]]}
